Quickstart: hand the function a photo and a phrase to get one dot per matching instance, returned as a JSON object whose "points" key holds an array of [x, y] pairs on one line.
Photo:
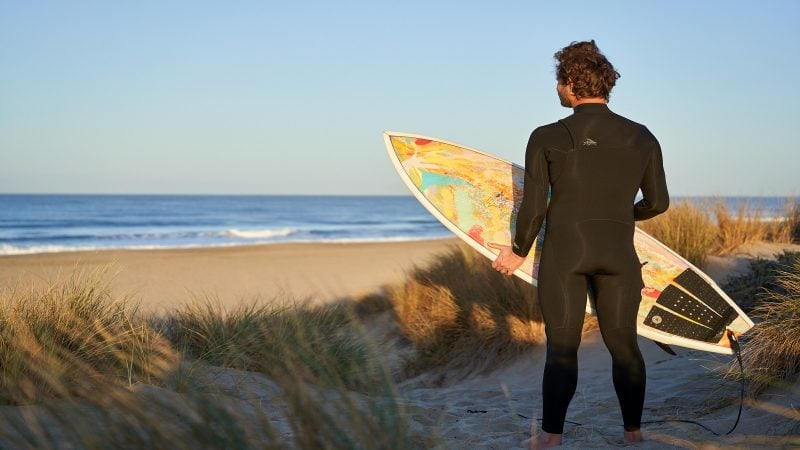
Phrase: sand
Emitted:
{"points": [[162, 279], [482, 411], [721, 268]]}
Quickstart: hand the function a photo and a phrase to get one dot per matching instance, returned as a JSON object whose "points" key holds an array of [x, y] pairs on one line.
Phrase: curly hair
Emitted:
{"points": [[590, 73]]}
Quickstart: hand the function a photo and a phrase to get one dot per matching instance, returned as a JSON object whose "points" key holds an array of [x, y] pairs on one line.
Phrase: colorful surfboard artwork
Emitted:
{"points": [[476, 196]]}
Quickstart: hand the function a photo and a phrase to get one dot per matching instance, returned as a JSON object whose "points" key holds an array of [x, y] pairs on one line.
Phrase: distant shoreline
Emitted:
{"points": [[220, 246]]}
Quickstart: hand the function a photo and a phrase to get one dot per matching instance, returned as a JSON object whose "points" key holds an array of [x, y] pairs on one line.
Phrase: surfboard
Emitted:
{"points": [[476, 196]]}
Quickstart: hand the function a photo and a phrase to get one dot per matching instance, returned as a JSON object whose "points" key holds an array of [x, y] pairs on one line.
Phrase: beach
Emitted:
{"points": [[161, 280]]}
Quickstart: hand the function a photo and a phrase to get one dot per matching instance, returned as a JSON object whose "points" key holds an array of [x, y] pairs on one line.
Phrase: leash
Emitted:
{"points": [[736, 350]]}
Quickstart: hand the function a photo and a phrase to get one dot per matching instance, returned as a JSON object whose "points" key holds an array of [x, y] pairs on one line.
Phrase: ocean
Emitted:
{"points": [[58, 223], [55, 223]]}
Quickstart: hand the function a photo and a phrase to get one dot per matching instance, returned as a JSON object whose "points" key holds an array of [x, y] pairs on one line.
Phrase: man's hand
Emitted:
{"points": [[507, 261]]}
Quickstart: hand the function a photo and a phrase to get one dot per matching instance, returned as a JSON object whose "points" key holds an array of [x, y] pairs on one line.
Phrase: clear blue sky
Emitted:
{"points": [[267, 97]]}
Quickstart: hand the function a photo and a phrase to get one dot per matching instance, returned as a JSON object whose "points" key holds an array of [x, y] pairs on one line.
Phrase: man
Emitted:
{"points": [[594, 162]]}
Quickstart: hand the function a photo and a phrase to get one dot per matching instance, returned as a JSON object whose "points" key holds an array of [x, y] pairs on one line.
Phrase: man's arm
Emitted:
{"points": [[533, 208], [654, 188]]}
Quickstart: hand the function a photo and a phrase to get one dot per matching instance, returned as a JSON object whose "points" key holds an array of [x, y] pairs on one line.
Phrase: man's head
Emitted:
{"points": [[583, 72]]}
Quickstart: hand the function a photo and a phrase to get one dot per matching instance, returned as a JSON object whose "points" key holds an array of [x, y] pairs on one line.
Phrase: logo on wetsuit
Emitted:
{"points": [[588, 143]]}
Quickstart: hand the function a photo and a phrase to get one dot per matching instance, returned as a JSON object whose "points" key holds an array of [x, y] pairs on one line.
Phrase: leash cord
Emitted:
{"points": [[737, 350]]}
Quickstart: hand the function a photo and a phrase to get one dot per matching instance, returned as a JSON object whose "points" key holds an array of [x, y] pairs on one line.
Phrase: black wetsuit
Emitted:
{"points": [[594, 162]]}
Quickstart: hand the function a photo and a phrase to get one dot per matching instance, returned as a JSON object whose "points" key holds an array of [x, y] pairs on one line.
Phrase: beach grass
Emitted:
{"points": [[279, 338], [790, 230], [82, 369], [696, 231], [771, 350], [753, 287], [684, 228], [462, 315], [333, 383], [52, 336], [745, 226]]}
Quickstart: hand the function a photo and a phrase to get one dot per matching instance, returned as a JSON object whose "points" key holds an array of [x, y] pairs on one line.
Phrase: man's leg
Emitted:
{"points": [[560, 376], [618, 300], [562, 297]]}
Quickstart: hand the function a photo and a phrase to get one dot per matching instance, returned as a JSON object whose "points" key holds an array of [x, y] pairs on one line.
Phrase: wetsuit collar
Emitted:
{"points": [[592, 108]]}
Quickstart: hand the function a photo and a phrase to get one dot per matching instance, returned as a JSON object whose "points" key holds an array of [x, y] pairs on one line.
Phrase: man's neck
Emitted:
{"points": [[588, 100]]}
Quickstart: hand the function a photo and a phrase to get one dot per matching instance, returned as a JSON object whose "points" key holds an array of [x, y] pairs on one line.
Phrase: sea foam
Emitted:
{"points": [[267, 233]]}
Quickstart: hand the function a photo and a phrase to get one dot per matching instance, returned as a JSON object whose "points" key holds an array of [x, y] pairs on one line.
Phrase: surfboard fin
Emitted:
{"points": [[666, 348]]}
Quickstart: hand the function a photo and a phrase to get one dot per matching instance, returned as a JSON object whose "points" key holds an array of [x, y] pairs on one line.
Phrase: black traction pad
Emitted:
{"points": [[700, 288], [687, 306], [714, 313], [665, 321]]}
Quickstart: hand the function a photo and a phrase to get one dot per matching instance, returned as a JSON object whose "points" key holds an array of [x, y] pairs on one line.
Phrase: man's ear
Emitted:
{"points": [[570, 90]]}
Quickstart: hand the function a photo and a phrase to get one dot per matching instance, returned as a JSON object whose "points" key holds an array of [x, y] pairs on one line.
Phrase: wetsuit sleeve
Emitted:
{"points": [[654, 188], [533, 207]]}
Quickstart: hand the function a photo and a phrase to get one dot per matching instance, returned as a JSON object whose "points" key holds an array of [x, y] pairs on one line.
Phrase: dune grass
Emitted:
{"points": [[684, 228], [460, 313], [754, 286], [697, 231], [745, 226], [51, 337], [771, 350], [789, 230], [320, 344], [333, 380], [89, 372]]}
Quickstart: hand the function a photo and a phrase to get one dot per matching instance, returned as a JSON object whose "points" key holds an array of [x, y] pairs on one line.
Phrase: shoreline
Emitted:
{"points": [[60, 250], [159, 280]]}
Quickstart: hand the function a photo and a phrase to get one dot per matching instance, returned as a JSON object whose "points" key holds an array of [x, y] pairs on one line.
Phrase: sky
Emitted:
{"points": [[269, 97]]}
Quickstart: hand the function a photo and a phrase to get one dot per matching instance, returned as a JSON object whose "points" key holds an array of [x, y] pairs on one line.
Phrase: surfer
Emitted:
{"points": [[594, 162]]}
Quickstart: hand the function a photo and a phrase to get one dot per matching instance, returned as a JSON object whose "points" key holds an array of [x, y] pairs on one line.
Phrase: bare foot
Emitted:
{"points": [[542, 440], [632, 437]]}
